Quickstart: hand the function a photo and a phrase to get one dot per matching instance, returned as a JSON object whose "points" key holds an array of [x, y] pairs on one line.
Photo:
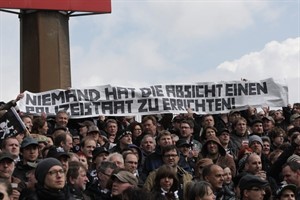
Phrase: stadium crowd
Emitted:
{"points": [[245, 155]]}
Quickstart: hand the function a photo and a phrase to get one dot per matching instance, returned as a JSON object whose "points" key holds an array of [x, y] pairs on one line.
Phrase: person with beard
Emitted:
{"points": [[214, 150], [77, 180]]}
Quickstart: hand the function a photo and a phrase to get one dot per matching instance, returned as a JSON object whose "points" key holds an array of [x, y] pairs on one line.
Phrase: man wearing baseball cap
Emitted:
{"points": [[252, 187], [122, 181], [30, 152], [124, 138]]}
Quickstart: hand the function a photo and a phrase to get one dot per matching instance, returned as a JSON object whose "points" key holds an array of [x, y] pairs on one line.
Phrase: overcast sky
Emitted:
{"points": [[173, 41]]}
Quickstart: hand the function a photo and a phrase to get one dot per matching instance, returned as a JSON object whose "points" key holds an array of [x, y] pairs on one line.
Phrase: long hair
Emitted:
{"points": [[163, 172]]}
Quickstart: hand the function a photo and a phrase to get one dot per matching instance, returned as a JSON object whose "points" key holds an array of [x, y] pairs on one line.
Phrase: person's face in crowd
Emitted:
{"points": [[278, 140], [65, 162], [83, 160], [261, 114], [255, 193], [185, 130], [208, 121], [12, 146], [241, 128], [3, 190], [278, 115], [266, 148], [208, 196], [185, 150], [69, 143], [7, 167], [62, 119], [104, 177], [117, 160], [171, 158], [88, 148], [149, 127], [296, 122], [212, 148], [253, 165], [227, 175], [131, 163], [28, 123], [148, 145], [257, 128], [101, 157], [112, 129], [81, 180], [83, 130], [216, 177], [290, 176], [49, 141], [94, 135], [234, 116], [256, 147], [224, 138], [55, 178], [137, 131], [296, 108], [287, 194], [267, 125], [44, 129], [119, 187], [125, 140], [30, 153], [166, 183], [210, 132], [165, 140]]}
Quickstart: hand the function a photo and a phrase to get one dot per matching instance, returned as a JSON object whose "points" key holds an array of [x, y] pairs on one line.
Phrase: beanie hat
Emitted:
{"points": [[256, 138], [43, 168]]}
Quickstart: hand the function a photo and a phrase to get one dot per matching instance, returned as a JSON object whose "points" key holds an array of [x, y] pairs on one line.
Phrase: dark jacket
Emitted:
{"points": [[42, 193], [96, 193]]}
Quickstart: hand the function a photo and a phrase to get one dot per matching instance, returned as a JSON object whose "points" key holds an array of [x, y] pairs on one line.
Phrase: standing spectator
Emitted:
{"points": [[87, 147], [51, 180], [12, 146], [239, 135], [213, 149], [64, 140], [98, 190], [111, 128], [40, 126], [166, 183], [84, 127], [77, 180], [291, 173], [7, 167], [170, 156], [27, 120], [214, 174], [200, 190], [30, 152], [186, 132], [252, 187], [224, 137], [268, 124], [150, 125], [154, 160], [286, 192], [122, 181], [124, 138], [257, 127]]}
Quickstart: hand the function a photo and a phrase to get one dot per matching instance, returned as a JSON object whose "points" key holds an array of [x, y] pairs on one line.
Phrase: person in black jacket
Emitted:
{"points": [[51, 180]]}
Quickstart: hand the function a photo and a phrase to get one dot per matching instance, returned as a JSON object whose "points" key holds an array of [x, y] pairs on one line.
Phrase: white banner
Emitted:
{"points": [[202, 98]]}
